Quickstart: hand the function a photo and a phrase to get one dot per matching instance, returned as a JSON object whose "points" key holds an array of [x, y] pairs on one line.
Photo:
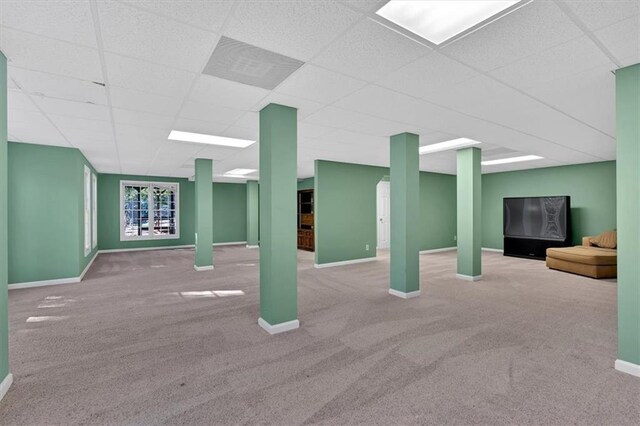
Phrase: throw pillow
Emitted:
{"points": [[608, 239]]}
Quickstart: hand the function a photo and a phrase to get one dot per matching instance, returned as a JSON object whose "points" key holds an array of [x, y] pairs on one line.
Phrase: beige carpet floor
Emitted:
{"points": [[145, 339]]}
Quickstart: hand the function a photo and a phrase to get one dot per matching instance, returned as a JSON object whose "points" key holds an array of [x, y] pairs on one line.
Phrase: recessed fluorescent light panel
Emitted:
{"points": [[177, 135], [512, 160], [445, 146], [239, 173], [439, 21]]}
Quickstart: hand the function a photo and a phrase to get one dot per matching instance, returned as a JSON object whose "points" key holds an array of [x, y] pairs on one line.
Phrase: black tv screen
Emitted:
{"points": [[537, 217]]}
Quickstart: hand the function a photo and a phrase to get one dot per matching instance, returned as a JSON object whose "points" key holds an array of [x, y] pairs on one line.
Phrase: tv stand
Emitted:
{"points": [[531, 248]]}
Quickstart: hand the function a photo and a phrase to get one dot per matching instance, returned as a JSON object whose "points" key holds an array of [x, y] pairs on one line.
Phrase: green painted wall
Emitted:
{"points": [[305, 183], [229, 213], [592, 188], [4, 242], [253, 213], [203, 211], [46, 222], [628, 181], [469, 192], [345, 210]]}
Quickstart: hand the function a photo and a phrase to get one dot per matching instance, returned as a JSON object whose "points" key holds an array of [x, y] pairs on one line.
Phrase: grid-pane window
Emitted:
{"points": [[149, 210]]}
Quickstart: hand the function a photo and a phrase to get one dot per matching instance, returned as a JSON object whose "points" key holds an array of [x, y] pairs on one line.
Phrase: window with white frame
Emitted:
{"points": [[149, 210], [94, 210], [87, 210]]}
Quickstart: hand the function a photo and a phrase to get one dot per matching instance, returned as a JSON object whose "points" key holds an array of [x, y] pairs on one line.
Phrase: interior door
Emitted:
{"points": [[383, 209]]}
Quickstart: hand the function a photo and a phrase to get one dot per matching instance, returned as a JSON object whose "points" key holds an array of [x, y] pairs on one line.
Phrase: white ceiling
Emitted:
{"points": [[112, 78]]}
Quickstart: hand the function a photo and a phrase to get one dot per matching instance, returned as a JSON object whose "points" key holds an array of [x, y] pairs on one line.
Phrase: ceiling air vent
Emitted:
{"points": [[237, 61]]}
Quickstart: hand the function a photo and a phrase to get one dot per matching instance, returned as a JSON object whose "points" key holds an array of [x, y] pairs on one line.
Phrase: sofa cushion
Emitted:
{"points": [[585, 255], [608, 239]]}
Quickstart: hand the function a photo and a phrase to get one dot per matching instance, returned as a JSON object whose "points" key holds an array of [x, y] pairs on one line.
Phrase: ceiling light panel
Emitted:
{"points": [[447, 145], [511, 160], [241, 62], [439, 21], [240, 172], [177, 135]]}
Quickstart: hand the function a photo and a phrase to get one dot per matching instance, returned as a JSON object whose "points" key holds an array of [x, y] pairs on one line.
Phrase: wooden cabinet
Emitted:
{"points": [[306, 224]]}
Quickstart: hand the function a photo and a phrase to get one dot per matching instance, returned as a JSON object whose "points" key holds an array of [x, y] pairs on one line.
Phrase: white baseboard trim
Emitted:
{"points": [[279, 328], [438, 250], [146, 249], [248, 246], [628, 367], [345, 262], [492, 249], [469, 277], [203, 268], [5, 385], [404, 295], [231, 243], [57, 281]]}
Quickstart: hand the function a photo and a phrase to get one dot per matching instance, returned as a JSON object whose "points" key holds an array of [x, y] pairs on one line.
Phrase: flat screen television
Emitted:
{"points": [[542, 218]]}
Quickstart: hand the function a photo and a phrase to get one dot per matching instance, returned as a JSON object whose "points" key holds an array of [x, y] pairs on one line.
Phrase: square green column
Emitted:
{"points": [[253, 213], [405, 216], [5, 377], [469, 220], [628, 212], [204, 215], [278, 216]]}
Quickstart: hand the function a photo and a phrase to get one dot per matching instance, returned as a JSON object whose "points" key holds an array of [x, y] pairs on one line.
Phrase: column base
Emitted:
{"points": [[469, 277], [404, 295], [278, 328], [628, 367], [252, 246], [5, 385], [203, 268]]}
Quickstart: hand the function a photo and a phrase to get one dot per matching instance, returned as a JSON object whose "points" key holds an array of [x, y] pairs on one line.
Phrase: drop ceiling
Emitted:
{"points": [[113, 78]]}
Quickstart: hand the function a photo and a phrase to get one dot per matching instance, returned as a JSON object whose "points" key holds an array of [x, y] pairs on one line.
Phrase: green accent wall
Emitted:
{"points": [[592, 188], [253, 213], [229, 213], [405, 213], [204, 212], [345, 210], [307, 183], [628, 187], [46, 213], [469, 181], [4, 241], [278, 211]]}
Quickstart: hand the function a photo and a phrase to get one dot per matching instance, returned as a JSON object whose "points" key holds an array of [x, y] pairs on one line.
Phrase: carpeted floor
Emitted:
{"points": [[147, 340]]}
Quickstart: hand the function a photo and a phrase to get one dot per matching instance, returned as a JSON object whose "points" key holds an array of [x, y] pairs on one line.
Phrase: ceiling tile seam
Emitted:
{"points": [[169, 17], [103, 65], [57, 98], [45, 115], [53, 74], [84, 46], [490, 122], [194, 82], [578, 22], [12, 138]]}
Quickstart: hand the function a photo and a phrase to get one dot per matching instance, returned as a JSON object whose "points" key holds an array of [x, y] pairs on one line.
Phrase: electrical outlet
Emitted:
{"points": [[366, 247], [455, 238]]}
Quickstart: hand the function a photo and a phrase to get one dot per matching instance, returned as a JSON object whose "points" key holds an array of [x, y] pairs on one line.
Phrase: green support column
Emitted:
{"points": [[469, 220], [405, 216], [5, 377], [278, 239], [252, 214], [204, 215], [628, 212]]}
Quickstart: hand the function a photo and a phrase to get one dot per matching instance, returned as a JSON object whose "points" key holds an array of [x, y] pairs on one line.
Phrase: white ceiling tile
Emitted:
{"points": [[38, 53], [596, 14], [307, 130], [143, 119], [561, 61], [144, 101], [132, 32], [431, 73], [207, 15], [55, 86], [318, 84], [309, 25], [67, 20], [145, 76], [335, 117], [226, 93], [366, 5], [622, 39], [33, 127], [249, 120], [74, 128], [242, 133], [73, 109], [369, 51], [10, 84], [197, 126], [16, 100], [532, 28], [305, 107], [209, 112]]}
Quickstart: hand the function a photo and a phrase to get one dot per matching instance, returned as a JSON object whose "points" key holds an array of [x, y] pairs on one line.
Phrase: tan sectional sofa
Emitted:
{"points": [[587, 259]]}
